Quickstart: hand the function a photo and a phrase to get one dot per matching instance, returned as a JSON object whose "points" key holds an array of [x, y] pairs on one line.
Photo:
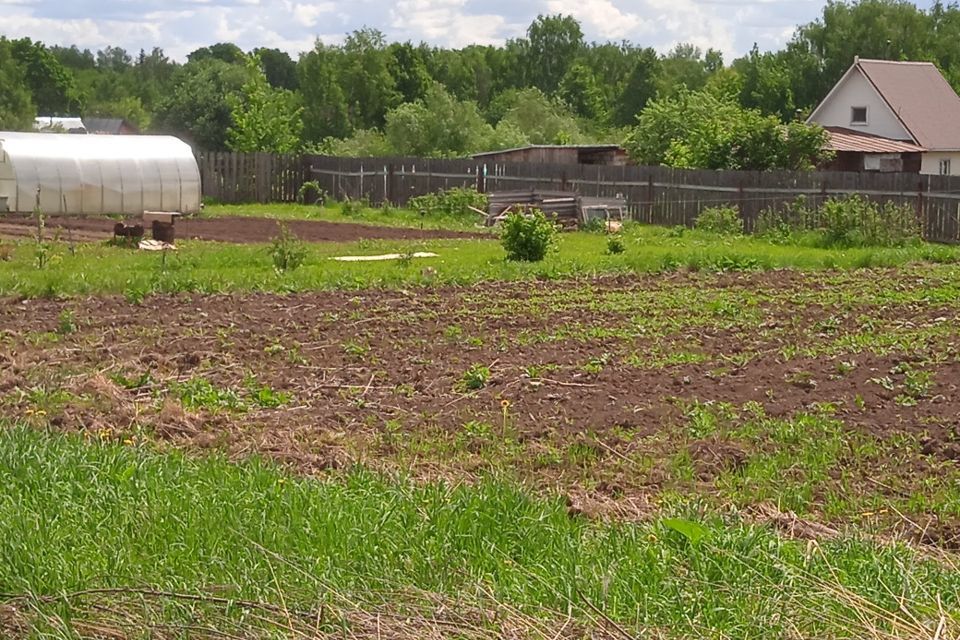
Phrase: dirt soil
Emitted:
{"points": [[238, 229], [607, 389]]}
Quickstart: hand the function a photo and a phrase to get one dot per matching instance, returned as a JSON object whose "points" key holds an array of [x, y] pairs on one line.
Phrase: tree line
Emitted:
{"points": [[368, 96]]}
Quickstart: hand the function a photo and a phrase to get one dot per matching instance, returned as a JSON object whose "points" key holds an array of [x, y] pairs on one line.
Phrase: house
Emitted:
{"points": [[892, 116], [59, 124], [111, 126], [607, 154]]}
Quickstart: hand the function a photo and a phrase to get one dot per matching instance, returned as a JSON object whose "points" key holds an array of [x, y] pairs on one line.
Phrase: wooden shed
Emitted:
{"points": [[605, 154]]}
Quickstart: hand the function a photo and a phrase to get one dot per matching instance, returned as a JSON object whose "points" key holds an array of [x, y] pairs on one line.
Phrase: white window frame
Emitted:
{"points": [[945, 167], [861, 123]]}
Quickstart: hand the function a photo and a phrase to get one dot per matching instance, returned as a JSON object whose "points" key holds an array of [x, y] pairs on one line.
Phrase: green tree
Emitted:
{"points": [[766, 84], [701, 130], [409, 70], [554, 42], [223, 51], [437, 126], [264, 118], [16, 107], [580, 90], [684, 67], [365, 79], [539, 118], [325, 105], [279, 67], [198, 106], [640, 87], [53, 87]]}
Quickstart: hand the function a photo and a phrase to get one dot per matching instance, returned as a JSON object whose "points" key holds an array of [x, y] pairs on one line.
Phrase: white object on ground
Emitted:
{"points": [[386, 256], [150, 244]]}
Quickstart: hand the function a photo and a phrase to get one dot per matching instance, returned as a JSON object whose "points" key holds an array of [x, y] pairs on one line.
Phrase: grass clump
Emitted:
{"points": [[475, 378], [615, 244], [723, 220], [528, 237]]}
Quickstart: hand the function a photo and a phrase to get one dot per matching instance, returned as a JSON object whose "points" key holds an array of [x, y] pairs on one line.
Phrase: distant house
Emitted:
{"points": [[111, 126], [892, 116], [74, 124], [59, 124], [608, 154]]}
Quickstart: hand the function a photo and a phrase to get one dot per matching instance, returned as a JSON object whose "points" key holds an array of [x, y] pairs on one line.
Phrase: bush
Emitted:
{"points": [[615, 244], [528, 237], [594, 225], [287, 251], [452, 203], [310, 192], [858, 222], [351, 208], [724, 220], [841, 222]]}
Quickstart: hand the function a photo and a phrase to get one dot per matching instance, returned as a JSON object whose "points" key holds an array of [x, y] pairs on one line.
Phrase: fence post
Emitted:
{"points": [[650, 197], [923, 227]]}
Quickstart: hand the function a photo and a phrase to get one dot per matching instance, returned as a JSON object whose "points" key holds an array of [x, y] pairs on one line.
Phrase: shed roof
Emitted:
{"points": [[105, 125], [842, 139], [578, 147], [920, 97]]}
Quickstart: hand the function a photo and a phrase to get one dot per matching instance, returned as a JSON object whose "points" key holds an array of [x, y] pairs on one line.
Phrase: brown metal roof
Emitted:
{"points": [[921, 97], [848, 140], [579, 147]]}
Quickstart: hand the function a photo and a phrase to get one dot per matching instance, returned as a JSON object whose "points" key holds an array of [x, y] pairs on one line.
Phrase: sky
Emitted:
{"points": [[180, 26]]}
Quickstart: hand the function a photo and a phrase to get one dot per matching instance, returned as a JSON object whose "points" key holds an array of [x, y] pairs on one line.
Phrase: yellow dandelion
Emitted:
{"points": [[504, 403]]}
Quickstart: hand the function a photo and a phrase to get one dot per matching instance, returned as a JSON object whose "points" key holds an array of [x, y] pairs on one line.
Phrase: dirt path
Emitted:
{"points": [[237, 229]]}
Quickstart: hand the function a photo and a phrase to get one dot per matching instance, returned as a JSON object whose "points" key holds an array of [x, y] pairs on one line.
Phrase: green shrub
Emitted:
{"points": [[451, 203], [528, 237], [351, 208], [724, 220], [287, 251], [310, 192], [615, 244], [858, 222]]}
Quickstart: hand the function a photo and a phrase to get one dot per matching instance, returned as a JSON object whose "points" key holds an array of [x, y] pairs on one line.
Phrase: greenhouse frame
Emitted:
{"points": [[79, 174]]}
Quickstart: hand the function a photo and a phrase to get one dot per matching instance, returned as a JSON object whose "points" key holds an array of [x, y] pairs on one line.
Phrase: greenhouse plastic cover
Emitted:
{"points": [[90, 174]]}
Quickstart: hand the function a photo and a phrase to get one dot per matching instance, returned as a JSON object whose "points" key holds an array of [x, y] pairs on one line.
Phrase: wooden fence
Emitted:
{"points": [[657, 195], [250, 177]]}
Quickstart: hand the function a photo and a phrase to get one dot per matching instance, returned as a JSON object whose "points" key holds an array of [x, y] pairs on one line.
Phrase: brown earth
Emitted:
{"points": [[238, 229], [576, 398]]}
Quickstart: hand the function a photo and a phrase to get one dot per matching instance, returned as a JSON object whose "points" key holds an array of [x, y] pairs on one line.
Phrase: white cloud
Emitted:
{"points": [[180, 26]]}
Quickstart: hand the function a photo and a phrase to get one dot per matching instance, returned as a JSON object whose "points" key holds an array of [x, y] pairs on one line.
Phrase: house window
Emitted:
{"points": [[945, 167], [858, 115]]}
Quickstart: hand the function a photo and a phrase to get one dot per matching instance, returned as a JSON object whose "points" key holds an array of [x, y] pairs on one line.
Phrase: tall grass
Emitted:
{"points": [[76, 516]]}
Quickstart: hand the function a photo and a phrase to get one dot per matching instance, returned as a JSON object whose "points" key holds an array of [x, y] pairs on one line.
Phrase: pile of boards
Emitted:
{"points": [[570, 209]]}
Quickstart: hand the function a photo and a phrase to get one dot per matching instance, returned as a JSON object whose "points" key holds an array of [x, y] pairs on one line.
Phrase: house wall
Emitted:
{"points": [[930, 163], [856, 91]]}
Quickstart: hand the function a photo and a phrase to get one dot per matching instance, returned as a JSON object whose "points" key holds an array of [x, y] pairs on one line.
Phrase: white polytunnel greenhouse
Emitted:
{"points": [[97, 174]]}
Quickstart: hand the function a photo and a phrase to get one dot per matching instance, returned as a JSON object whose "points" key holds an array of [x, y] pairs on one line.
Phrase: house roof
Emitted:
{"points": [[920, 97], [104, 125], [70, 124], [579, 147], [841, 139]]}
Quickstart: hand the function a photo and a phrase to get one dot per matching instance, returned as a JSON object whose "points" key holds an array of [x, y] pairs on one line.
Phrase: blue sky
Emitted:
{"points": [[180, 26]]}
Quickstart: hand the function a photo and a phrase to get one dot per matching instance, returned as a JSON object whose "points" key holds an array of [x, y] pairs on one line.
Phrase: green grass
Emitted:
{"points": [[333, 212], [76, 516], [213, 267]]}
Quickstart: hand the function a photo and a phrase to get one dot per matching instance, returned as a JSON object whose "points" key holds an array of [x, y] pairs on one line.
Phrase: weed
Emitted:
{"points": [[310, 192], [66, 322], [458, 202], [286, 250], [356, 349], [199, 393], [474, 378], [722, 220], [615, 245]]}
